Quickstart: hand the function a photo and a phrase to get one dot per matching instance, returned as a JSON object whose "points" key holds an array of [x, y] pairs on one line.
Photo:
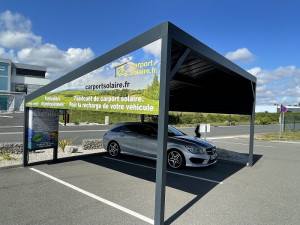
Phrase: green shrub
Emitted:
{"points": [[265, 121], [6, 156], [257, 122], [175, 118], [187, 118], [63, 143], [226, 123]]}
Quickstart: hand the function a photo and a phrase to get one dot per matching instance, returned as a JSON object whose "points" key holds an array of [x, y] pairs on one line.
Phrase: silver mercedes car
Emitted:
{"points": [[140, 139]]}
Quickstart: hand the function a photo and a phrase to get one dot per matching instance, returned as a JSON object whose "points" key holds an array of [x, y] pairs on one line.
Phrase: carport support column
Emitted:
{"points": [[25, 136], [251, 144], [160, 189], [55, 152]]}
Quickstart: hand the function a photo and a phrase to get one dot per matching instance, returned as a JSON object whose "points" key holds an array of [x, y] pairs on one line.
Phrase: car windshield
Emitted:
{"points": [[174, 132]]}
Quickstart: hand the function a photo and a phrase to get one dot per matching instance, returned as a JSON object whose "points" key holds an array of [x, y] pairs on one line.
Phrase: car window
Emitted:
{"points": [[132, 128], [120, 129], [141, 129], [116, 129], [147, 130]]}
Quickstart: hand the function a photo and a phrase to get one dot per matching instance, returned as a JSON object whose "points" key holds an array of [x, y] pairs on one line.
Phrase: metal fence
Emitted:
{"points": [[291, 123]]}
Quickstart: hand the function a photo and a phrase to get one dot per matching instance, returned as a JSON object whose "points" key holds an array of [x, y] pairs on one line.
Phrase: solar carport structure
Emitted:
{"points": [[193, 78]]}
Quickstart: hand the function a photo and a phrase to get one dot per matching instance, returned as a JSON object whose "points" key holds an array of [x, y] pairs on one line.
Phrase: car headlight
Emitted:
{"points": [[194, 150]]}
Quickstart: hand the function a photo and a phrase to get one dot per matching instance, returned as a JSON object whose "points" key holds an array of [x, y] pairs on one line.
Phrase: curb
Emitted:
{"points": [[11, 166]]}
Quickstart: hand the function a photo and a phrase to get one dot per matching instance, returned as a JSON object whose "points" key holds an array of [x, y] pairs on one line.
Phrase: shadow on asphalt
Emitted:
{"points": [[218, 172]]}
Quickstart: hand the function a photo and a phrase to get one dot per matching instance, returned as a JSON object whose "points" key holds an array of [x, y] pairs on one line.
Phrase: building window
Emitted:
{"points": [[21, 88], [4, 76], [3, 69], [3, 102], [27, 72], [3, 83]]}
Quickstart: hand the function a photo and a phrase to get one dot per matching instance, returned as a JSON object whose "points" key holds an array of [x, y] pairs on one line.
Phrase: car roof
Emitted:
{"points": [[134, 123]]}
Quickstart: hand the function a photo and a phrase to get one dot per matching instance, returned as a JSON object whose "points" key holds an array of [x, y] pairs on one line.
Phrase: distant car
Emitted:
{"points": [[140, 139]]}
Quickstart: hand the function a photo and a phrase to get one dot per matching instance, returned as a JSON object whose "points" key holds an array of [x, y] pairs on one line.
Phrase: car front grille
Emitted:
{"points": [[212, 160], [210, 151], [196, 160]]}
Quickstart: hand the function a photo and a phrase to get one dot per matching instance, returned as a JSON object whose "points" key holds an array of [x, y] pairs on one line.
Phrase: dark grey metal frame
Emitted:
{"points": [[166, 32]]}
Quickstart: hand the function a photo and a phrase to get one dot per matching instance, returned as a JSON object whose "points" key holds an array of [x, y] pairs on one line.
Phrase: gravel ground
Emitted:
{"points": [[47, 154]]}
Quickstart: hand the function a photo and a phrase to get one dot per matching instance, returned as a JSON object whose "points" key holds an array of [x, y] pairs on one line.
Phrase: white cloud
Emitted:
{"points": [[8, 55], [153, 48], [241, 55], [20, 44], [56, 60], [277, 86], [15, 31]]}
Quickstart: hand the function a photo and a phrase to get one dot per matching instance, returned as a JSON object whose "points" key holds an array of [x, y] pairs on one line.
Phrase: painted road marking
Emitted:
{"points": [[71, 131], [11, 126], [128, 211], [79, 131], [225, 137], [288, 142], [180, 174], [13, 133], [236, 143]]}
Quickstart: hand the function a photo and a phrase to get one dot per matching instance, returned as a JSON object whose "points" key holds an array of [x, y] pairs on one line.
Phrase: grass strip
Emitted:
{"points": [[274, 136]]}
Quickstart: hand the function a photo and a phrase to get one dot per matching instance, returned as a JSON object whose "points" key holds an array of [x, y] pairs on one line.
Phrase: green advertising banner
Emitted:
{"points": [[129, 84]]}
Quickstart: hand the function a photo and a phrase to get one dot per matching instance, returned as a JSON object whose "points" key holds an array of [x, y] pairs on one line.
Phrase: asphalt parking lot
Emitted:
{"points": [[101, 190]]}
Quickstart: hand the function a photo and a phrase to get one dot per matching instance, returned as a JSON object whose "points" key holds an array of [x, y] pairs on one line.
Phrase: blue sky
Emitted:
{"points": [[260, 36]]}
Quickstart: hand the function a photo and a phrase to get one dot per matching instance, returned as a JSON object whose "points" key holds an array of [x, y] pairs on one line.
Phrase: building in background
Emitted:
{"points": [[18, 80]]}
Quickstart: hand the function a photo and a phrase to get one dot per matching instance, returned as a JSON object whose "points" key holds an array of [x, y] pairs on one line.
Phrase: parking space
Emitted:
{"points": [[102, 190]]}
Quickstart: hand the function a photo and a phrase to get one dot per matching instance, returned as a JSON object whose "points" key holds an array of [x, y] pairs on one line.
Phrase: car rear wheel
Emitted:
{"points": [[113, 149], [176, 159]]}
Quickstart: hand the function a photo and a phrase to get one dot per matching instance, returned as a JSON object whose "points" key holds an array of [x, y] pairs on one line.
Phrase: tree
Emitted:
{"points": [[152, 91]]}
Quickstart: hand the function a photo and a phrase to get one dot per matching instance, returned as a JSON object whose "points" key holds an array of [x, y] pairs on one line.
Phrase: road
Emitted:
{"points": [[11, 130]]}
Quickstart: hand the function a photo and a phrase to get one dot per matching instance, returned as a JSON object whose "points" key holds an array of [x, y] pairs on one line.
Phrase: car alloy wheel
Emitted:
{"points": [[113, 149], [175, 159]]}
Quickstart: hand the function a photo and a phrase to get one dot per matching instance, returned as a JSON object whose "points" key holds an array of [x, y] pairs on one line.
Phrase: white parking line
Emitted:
{"points": [[79, 131], [288, 142], [180, 174], [64, 131], [236, 143], [13, 133], [10, 126], [11, 117], [221, 137], [128, 211]]}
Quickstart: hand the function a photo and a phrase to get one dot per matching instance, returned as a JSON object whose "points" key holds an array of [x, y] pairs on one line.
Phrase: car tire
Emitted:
{"points": [[113, 149], [175, 159]]}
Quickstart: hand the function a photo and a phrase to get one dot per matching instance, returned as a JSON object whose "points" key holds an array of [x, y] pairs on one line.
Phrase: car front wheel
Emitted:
{"points": [[113, 149], [175, 159]]}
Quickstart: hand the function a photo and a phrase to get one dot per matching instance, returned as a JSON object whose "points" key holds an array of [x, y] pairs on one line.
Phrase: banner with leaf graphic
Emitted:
{"points": [[42, 128], [129, 84]]}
